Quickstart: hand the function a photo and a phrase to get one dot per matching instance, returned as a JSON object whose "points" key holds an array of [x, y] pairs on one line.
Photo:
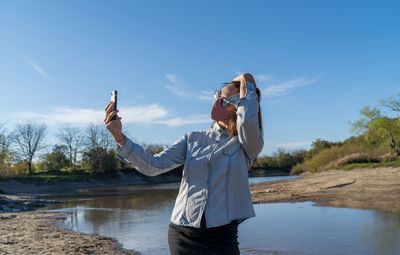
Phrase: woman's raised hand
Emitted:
{"points": [[114, 126], [241, 78]]}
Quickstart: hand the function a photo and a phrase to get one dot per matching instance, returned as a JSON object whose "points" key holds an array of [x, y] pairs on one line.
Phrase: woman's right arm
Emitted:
{"points": [[132, 153], [149, 164]]}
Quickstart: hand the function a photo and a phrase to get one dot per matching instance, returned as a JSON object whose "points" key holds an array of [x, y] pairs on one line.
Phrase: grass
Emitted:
{"points": [[346, 157], [371, 165]]}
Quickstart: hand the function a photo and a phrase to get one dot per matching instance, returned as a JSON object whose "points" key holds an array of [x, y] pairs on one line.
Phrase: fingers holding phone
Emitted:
{"points": [[112, 121], [111, 114]]}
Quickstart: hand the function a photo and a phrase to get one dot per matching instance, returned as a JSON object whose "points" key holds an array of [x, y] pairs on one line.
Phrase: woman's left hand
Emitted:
{"points": [[242, 80]]}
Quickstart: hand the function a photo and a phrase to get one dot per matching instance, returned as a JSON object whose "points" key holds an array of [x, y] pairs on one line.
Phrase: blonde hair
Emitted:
{"points": [[232, 130]]}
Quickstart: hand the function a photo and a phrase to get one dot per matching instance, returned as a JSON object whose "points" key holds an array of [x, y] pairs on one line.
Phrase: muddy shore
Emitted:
{"points": [[361, 188], [26, 231], [36, 232]]}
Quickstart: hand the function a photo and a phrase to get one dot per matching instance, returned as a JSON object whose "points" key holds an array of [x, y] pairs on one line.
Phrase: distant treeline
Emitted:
{"points": [[92, 149]]}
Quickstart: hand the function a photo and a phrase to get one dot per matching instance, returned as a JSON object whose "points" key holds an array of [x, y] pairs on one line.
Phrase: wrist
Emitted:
{"points": [[120, 139]]}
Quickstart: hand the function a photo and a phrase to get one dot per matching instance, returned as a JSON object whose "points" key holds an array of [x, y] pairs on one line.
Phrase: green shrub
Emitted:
{"points": [[99, 159]]}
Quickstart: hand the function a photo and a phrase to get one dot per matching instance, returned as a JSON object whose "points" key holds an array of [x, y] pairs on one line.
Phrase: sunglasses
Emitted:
{"points": [[236, 84], [225, 101]]}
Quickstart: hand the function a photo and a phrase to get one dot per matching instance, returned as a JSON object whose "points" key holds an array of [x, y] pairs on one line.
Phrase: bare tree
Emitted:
{"points": [[72, 139], [5, 141], [98, 136], [92, 136], [106, 139], [5, 153], [29, 138]]}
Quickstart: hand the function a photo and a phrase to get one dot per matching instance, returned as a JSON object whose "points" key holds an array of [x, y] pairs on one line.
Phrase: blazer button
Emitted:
{"points": [[208, 164]]}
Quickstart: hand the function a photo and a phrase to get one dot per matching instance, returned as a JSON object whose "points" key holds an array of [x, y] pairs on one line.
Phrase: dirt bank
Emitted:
{"points": [[13, 186], [361, 188], [36, 232]]}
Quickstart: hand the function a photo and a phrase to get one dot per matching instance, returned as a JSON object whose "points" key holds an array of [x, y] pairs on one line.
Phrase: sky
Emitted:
{"points": [[316, 63]]}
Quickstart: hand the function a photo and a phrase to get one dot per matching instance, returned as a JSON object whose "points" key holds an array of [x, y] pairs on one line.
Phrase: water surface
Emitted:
{"points": [[138, 216]]}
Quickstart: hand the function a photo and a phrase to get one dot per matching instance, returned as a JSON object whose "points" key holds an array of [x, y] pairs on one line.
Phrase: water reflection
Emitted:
{"points": [[138, 217], [386, 226], [301, 228]]}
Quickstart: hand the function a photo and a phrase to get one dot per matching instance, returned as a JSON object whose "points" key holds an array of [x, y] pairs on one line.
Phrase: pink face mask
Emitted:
{"points": [[218, 112]]}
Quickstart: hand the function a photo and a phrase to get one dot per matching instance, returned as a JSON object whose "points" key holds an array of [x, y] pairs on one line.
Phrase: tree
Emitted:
{"points": [[5, 141], [367, 115], [98, 136], [56, 160], [390, 128], [92, 138], [377, 128], [387, 129], [299, 155], [316, 147], [29, 138], [106, 140], [5, 153], [72, 139], [98, 159], [285, 161], [153, 148], [392, 103]]}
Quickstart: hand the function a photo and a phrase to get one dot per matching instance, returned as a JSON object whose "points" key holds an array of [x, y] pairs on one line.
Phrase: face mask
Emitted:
{"points": [[219, 113]]}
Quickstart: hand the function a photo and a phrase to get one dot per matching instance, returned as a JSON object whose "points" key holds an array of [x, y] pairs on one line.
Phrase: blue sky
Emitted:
{"points": [[317, 63]]}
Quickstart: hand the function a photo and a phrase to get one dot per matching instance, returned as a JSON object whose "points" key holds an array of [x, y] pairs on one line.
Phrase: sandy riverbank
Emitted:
{"points": [[25, 231], [362, 188], [36, 232]]}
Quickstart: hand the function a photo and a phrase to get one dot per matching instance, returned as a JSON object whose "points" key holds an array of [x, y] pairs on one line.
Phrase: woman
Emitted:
{"points": [[214, 195]]}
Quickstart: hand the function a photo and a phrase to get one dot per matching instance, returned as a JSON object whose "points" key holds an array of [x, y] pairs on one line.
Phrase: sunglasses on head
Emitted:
{"points": [[236, 84]]}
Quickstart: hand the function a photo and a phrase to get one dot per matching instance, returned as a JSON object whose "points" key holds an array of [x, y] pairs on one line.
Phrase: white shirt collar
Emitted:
{"points": [[216, 127]]}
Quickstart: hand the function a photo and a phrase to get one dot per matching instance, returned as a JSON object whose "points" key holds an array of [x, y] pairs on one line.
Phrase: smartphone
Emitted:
{"points": [[114, 99]]}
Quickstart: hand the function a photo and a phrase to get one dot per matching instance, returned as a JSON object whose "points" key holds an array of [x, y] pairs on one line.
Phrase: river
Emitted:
{"points": [[138, 216]]}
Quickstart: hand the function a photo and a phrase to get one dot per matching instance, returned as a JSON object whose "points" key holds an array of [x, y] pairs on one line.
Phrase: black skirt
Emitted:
{"points": [[203, 241]]}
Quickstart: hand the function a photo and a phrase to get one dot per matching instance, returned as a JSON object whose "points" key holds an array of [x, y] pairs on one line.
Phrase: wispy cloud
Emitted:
{"points": [[285, 87], [150, 114], [177, 87], [294, 144], [263, 77], [36, 67], [205, 95]]}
